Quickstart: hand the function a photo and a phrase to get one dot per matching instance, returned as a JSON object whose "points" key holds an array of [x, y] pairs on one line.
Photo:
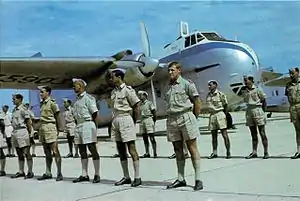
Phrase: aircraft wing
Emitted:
{"points": [[28, 73], [269, 75], [278, 82]]}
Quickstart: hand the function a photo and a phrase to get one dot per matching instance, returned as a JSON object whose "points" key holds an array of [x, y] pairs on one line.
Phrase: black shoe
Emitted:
{"points": [[228, 155], [81, 179], [136, 182], [59, 177], [45, 176], [172, 156], [198, 185], [2, 173], [213, 156], [69, 156], [96, 179], [266, 156], [76, 156], [154, 155], [145, 156], [177, 184], [33, 155], [17, 175], [252, 155], [123, 181], [115, 156], [297, 155], [29, 175]]}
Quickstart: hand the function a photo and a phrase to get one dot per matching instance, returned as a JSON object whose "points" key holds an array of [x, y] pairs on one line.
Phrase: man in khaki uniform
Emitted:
{"points": [[70, 127], [217, 104], [255, 99], [8, 130], [86, 116], [124, 101], [2, 145], [22, 128], [32, 142], [292, 91], [50, 126], [183, 106], [147, 124]]}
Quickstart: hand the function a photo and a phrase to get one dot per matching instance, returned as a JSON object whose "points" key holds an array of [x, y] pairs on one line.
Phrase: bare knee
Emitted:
{"points": [[93, 149], [82, 151], [132, 150]]}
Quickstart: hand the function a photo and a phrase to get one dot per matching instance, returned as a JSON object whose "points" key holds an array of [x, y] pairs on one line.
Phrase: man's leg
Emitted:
{"points": [[96, 161], [153, 143], [48, 158], [26, 151], [121, 147], [214, 140], [297, 129], [254, 137], [146, 143], [2, 163], [226, 142], [54, 148], [195, 157], [70, 144], [136, 163], [21, 161], [32, 143], [84, 164], [264, 140], [11, 151]]}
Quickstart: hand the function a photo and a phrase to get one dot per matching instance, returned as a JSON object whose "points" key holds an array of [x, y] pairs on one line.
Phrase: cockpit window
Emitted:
{"points": [[215, 37]]}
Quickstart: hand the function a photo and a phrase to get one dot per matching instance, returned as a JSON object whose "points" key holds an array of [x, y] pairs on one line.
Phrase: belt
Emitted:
{"points": [[45, 122], [180, 113], [80, 121], [7, 125], [19, 127], [296, 104], [215, 112], [121, 113], [143, 118]]}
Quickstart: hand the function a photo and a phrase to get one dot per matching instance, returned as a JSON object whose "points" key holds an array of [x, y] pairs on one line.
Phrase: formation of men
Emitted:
{"points": [[183, 109]]}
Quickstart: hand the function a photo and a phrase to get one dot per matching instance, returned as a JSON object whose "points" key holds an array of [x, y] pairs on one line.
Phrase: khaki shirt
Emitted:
{"points": [[49, 108], [254, 96], [19, 115], [292, 91], [123, 99], [68, 115], [31, 114], [179, 95], [146, 108], [216, 100], [84, 107], [7, 118]]}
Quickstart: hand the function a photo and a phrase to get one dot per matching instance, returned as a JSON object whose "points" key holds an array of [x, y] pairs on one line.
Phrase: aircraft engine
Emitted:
{"points": [[139, 68]]}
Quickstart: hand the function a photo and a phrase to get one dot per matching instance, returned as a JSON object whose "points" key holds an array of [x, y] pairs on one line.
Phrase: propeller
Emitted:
{"points": [[146, 51]]}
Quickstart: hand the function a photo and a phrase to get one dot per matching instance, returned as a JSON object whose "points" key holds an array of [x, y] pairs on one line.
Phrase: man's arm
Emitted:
{"points": [[2, 126], [194, 97], [136, 112], [28, 123], [57, 115], [134, 101], [263, 101]]}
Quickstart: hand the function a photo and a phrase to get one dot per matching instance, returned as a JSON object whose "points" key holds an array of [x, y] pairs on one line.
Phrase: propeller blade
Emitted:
{"points": [[145, 40]]}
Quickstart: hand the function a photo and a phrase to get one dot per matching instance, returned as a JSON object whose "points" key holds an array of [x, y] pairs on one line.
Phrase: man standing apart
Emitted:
{"points": [[292, 91], [124, 100], [147, 124], [255, 99], [8, 130], [22, 128], [217, 103], [183, 106], [87, 119], [70, 127], [2, 145], [50, 126]]}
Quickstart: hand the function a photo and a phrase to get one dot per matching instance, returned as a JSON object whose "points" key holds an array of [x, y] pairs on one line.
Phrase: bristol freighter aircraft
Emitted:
{"points": [[204, 55]]}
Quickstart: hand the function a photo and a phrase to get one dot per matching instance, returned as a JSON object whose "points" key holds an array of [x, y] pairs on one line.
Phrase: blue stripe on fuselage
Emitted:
{"points": [[202, 48]]}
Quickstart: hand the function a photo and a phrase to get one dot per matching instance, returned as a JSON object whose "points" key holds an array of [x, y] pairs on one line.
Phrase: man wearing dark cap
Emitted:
{"points": [[124, 101], [48, 132], [255, 100], [292, 91]]}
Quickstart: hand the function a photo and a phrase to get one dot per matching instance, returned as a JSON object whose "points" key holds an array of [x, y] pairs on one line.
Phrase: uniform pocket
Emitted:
{"points": [[180, 97]]}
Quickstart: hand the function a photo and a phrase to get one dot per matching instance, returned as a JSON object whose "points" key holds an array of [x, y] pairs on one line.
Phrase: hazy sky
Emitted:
{"points": [[104, 28]]}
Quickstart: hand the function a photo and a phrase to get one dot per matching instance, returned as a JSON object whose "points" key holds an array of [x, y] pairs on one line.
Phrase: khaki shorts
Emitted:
{"points": [[8, 131], [182, 127], [85, 133], [2, 141], [48, 133], [20, 138], [123, 129], [217, 121], [255, 116], [147, 126], [70, 129]]}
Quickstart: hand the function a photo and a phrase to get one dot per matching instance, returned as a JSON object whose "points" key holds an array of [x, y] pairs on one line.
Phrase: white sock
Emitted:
{"points": [[180, 169], [196, 165], [21, 166], [136, 167], [124, 165], [97, 167], [84, 166]]}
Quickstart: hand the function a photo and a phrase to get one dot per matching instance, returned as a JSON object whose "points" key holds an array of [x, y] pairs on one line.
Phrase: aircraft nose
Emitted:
{"points": [[150, 64]]}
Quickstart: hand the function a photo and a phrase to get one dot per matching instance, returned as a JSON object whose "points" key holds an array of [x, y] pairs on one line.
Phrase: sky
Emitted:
{"points": [[94, 28]]}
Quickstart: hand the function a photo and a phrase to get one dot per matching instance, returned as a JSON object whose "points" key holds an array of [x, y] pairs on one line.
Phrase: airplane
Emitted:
{"points": [[203, 55]]}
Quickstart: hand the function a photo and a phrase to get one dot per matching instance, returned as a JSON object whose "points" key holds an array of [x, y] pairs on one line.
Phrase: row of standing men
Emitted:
{"points": [[183, 108]]}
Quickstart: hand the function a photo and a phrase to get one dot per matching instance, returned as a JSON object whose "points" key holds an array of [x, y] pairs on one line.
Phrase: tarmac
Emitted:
{"points": [[237, 178]]}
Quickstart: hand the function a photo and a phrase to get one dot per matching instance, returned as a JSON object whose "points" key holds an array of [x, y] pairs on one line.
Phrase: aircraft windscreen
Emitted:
{"points": [[215, 37]]}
